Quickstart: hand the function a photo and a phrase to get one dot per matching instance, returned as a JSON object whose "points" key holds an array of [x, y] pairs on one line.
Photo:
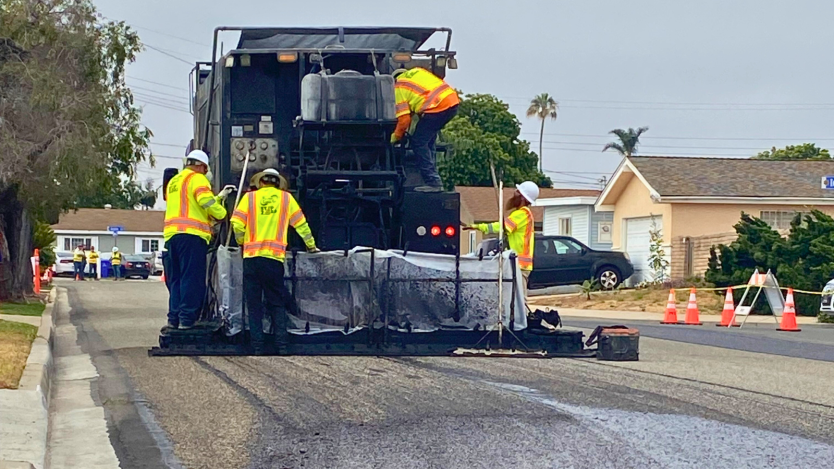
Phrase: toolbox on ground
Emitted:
{"points": [[615, 343]]}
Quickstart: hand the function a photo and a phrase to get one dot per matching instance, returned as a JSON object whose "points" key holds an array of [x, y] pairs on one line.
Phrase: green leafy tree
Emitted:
{"points": [[657, 255], [543, 107], [628, 141], [806, 151], [803, 260], [486, 131], [68, 126]]}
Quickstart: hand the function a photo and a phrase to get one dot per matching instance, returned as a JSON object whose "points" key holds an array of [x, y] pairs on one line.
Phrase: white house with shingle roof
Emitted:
{"points": [[141, 230], [695, 202]]}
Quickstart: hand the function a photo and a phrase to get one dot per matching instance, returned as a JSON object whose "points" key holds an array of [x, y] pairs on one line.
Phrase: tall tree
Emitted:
{"points": [[486, 131], [628, 140], [806, 151], [67, 119], [542, 106]]}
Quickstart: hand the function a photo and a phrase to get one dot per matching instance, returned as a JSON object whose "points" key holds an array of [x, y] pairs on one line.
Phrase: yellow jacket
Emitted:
{"points": [[261, 222], [78, 255], [92, 257], [519, 227], [190, 204], [418, 91]]}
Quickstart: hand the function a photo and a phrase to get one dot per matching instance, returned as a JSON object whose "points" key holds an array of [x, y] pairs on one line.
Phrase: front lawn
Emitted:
{"points": [[22, 309], [652, 299], [15, 342]]}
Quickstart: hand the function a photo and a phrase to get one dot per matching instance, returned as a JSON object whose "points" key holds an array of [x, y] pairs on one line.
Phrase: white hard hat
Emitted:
{"points": [[198, 155], [398, 72], [529, 190], [115, 249]]}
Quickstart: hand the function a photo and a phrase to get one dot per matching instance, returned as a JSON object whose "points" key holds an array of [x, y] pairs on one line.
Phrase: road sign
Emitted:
{"points": [[115, 229], [827, 182]]}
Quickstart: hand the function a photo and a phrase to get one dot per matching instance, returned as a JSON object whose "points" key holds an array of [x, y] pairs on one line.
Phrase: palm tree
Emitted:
{"points": [[629, 140], [542, 106]]}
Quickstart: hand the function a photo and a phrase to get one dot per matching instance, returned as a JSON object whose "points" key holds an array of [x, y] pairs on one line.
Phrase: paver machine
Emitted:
{"points": [[318, 105]]}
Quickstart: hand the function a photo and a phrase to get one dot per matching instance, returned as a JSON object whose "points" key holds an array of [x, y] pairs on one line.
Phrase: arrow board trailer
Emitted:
{"points": [[318, 105]]}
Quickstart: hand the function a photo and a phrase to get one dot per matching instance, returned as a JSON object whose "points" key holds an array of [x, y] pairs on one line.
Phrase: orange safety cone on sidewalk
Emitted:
{"points": [[727, 315], [692, 316], [671, 316], [789, 315]]}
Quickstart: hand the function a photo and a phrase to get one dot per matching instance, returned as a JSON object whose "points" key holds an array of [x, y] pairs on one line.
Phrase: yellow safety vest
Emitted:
{"points": [[92, 257], [190, 203], [77, 255], [116, 259], [261, 222], [519, 227], [418, 91]]}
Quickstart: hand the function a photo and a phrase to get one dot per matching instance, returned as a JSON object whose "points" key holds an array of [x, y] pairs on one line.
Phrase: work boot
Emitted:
{"points": [[169, 327], [429, 188], [184, 327]]}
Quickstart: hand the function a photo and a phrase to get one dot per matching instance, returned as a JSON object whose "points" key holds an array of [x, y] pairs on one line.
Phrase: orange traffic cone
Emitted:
{"points": [[728, 312], [692, 318], [789, 315], [163, 277], [671, 316]]}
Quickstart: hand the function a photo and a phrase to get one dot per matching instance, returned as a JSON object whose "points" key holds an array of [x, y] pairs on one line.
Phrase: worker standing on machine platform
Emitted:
{"points": [[519, 227], [187, 235], [420, 92], [261, 222]]}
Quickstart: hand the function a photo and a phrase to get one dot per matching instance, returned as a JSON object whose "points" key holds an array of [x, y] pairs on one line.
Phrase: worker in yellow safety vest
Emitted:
{"points": [[116, 263], [92, 259], [187, 232], [78, 259], [261, 223], [420, 92], [518, 226]]}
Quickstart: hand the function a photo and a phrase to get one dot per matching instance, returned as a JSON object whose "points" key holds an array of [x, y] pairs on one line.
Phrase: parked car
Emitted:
{"points": [[136, 266], [157, 263], [826, 303], [562, 260], [63, 264]]}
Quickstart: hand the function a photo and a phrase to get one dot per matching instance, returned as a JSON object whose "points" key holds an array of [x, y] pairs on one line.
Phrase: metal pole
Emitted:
{"points": [[239, 194], [500, 186]]}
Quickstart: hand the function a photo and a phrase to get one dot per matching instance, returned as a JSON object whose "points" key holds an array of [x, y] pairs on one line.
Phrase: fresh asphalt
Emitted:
{"points": [[701, 396]]}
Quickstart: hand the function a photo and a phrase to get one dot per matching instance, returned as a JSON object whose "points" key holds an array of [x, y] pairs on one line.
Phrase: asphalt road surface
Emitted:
{"points": [[700, 397]]}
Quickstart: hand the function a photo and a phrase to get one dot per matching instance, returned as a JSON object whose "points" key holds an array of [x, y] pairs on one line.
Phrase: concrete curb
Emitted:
{"points": [[645, 316], [31, 400]]}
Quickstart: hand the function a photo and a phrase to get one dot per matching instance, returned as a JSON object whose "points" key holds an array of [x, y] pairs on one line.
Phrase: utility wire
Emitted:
{"points": [[171, 35], [151, 90], [169, 55], [649, 137], [162, 105], [158, 83]]}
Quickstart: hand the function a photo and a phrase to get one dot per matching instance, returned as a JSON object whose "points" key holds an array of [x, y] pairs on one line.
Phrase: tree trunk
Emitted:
{"points": [[16, 240], [541, 155]]}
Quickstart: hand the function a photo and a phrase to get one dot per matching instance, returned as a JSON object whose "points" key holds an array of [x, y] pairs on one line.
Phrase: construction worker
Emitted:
{"points": [[420, 92], [187, 233], [518, 226], [261, 223], [116, 263], [78, 257], [92, 259]]}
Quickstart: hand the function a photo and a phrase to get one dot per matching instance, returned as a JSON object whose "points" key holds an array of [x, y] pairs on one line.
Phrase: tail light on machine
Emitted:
{"points": [[450, 231], [435, 230]]}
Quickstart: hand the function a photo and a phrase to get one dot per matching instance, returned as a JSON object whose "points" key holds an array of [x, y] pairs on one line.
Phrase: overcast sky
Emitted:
{"points": [[709, 77]]}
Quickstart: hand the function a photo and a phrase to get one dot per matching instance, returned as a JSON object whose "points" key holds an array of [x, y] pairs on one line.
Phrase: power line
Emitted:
{"points": [[162, 101], [683, 138], [664, 146], [171, 35], [168, 145], [158, 83], [151, 90], [144, 101], [571, 175], [737, 155], [670, 103], [169, 55]]}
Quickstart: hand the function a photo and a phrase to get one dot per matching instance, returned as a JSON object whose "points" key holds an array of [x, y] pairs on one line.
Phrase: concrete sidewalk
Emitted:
{"points": [[644, 316], [24, 417]]}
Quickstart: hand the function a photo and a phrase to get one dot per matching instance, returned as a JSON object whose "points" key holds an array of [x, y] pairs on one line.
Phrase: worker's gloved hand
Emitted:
{"points": [[226, 191], [394, 138], [313, 250], [465, 227]]}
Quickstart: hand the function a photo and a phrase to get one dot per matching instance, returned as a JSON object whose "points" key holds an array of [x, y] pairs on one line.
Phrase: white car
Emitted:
{"points": [[63, 264], [826, 304], [157, 263]]}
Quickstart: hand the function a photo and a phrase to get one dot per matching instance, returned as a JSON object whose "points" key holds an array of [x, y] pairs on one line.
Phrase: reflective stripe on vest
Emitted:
{"points": [[432, 99], [525, 257], [260, 243]]}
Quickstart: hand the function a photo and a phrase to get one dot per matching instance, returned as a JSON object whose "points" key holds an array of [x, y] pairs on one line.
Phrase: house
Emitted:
{"points": [[577, 217], [141, 230], [480, 205], [693, 203]]}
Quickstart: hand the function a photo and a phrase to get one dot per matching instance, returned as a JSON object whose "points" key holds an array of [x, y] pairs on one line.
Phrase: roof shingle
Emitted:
{"points": [[734, 177]]}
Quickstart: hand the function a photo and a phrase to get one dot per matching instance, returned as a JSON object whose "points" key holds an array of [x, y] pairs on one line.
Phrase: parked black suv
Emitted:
{"points": [[562, 260]]}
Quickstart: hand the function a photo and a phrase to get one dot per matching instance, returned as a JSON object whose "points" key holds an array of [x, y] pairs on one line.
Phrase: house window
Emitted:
{"points": [[780, 220], [565, 227], [71, 243], [149, 245], [473, 241]]}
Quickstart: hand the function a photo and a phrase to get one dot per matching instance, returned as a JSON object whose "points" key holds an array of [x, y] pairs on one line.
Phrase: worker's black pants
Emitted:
{"points": [[188, 278], [94, 270], [266, 293], [423, 143]]}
